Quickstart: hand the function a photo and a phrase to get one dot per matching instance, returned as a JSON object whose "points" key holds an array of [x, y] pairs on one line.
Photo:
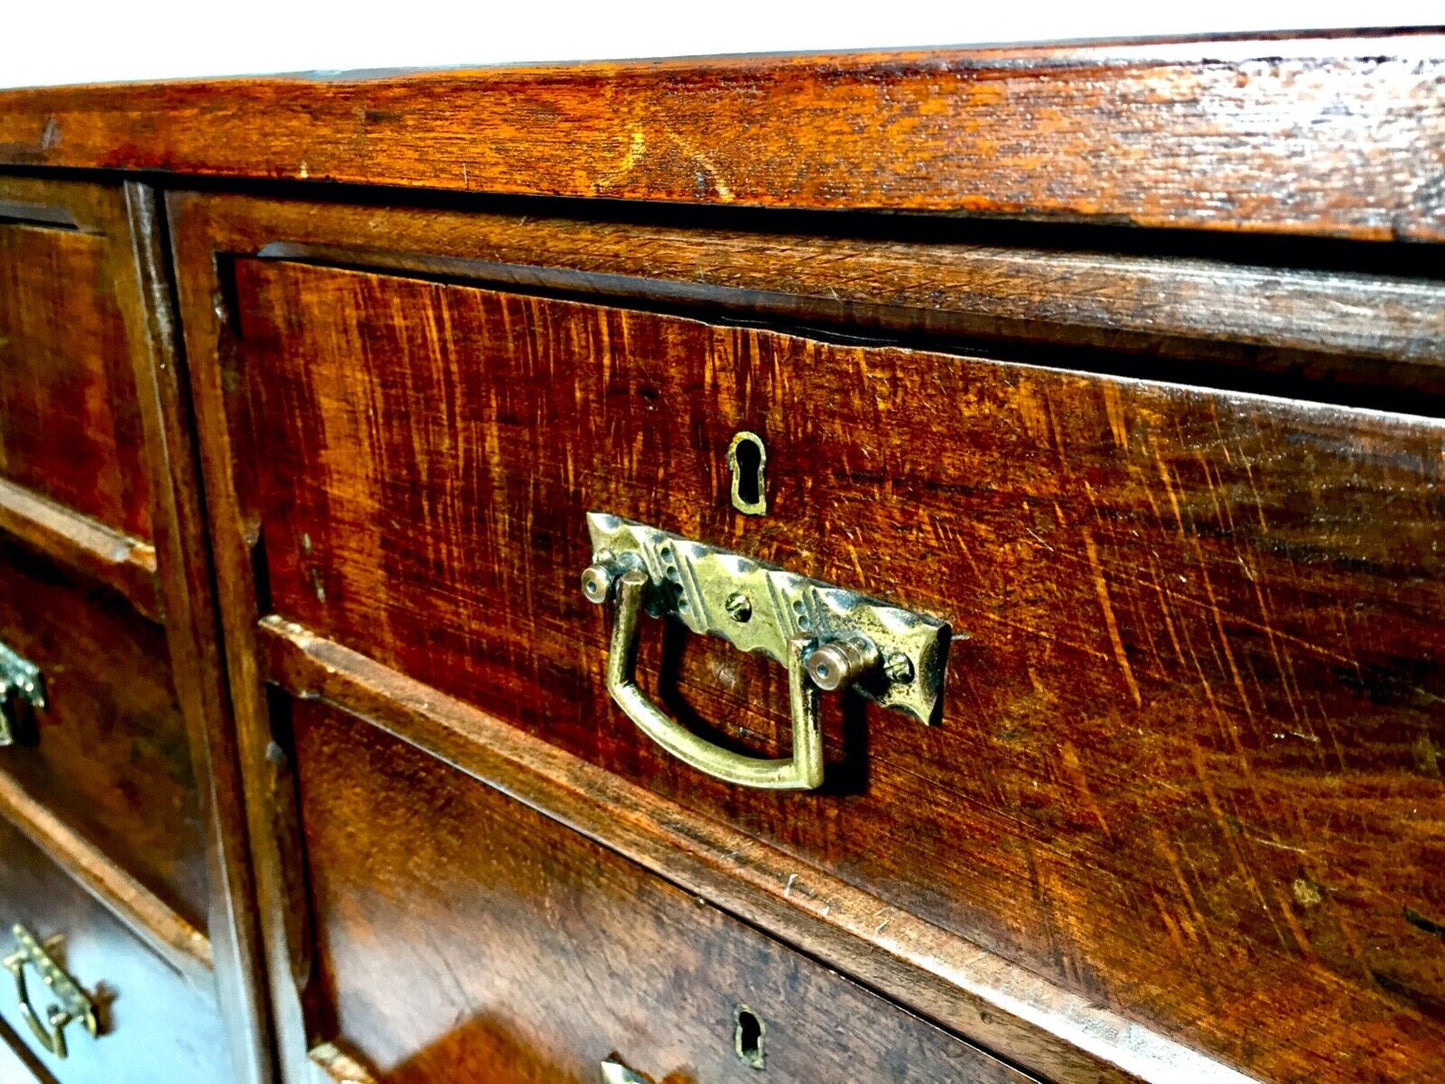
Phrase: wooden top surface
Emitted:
{"points": [[1325, 135]]}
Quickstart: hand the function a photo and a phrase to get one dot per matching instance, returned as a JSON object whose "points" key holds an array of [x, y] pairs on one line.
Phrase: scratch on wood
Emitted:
{"points": [[1420, 922], [1080, 780], [1109, 620]]}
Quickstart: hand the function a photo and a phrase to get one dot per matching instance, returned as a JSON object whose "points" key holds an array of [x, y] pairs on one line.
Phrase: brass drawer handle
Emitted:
{"points": [[20, 683], [73, 1004], [827, 637]]}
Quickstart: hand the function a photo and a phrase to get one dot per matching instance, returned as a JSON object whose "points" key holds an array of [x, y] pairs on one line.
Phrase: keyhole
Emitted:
{"points": [[748, 1037], [746, 458]]}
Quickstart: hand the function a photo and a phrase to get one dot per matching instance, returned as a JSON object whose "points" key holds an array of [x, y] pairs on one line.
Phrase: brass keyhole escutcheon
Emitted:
{"points": [[746, 459], [748, 1032]]}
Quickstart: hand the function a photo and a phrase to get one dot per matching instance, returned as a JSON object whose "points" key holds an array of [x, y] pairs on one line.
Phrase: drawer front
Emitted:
{"points": [[1187, 755], [108, 754], [70, 424], [152, 1025], [462, 936]]}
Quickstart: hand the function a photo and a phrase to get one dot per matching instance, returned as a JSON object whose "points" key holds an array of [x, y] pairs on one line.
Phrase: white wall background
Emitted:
{"points": [[81, 41]]}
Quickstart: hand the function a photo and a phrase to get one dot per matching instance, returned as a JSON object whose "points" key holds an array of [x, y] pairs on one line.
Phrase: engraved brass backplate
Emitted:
{"points": [[20, 683], [888, 654], [71, 1001]]}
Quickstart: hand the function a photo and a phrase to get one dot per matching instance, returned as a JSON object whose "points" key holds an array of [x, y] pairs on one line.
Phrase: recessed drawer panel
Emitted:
{"points": [[69, 415], [462, 936], [151, 1025], [108, 752], [1187, 753]]}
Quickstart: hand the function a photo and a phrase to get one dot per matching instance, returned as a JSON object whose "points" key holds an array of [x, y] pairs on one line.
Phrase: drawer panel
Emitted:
{"points": [[70, 424], [463, 936], [153, 1026], [1187, 754], [109, 754]]}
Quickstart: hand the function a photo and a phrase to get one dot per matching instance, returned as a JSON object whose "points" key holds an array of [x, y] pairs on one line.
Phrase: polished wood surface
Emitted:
{"points": [[1325, 135], [1136, 554], [193, 635], [83, 544], [139, 802], [152, 921], [154, 1027], [1061, 1034], [69, 419], [1359, 326], [109, 755], [1178, 485], [474, 939], [1057, 1034]]}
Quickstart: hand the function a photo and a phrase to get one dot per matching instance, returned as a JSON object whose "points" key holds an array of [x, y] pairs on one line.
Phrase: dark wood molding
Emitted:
{"points": [[944, 977], [1360, 337], [80, 543], [170, 936], [284, 973], [1192, 135], [187, 586]]}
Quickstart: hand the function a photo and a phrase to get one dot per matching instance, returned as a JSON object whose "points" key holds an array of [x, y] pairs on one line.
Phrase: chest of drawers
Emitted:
{"points": [[929, 571], [122, 850]]}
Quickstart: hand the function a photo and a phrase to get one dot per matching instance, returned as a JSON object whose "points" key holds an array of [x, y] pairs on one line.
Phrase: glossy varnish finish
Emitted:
{"points": [[186, 587], [108, 556], [1186, 765], [1326, 135], [154, 1027], [1233, 312], [69, 417], [109, 754], [127, 779], [1187, 769], [478, 940], [1032, 302], [1057, 1034]]}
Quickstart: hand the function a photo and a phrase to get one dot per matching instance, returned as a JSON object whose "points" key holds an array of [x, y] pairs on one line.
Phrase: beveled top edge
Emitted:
{"points": [[1320, 134]]}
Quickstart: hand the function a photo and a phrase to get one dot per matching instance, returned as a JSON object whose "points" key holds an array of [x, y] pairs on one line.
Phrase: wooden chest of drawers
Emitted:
{"points": [[1016, 650], [121, 848]]}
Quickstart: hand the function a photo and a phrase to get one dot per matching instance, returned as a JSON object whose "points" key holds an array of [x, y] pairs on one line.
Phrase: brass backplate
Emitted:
{"points": [[759, 607], [20, 683]]}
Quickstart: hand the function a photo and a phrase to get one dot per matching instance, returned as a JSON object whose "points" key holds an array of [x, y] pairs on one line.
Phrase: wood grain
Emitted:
{"points": [[1056, 1034], [1190, 667], [154, 1027], [193, 633], [109, 755], [1358, 331], [1326, 135], [69, 421], [119, 224], [168, 935], [476, 939], [94, 550]]}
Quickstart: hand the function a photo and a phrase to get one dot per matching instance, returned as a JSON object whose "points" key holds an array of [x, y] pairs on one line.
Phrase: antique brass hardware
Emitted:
{"points": [[746, 459], [20, 683], [827, 637], [748, 1033], [73, 1004]]}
